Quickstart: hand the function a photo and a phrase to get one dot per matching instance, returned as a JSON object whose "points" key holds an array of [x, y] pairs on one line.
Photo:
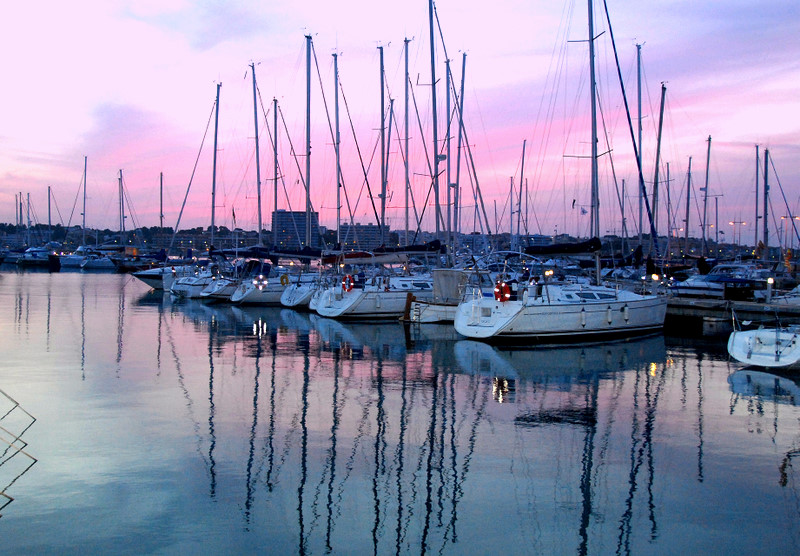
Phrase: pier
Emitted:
{"points": [[711, 317]]}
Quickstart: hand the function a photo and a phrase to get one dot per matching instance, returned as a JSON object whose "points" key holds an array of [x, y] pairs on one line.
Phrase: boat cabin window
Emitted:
{"points": [[586, 295]]}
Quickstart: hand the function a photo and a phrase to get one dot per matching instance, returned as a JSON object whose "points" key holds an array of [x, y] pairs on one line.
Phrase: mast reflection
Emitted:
{"points": [[15, 460]]}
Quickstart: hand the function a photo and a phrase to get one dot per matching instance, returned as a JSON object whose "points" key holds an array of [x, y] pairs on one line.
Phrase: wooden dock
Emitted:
{"points": [[711, 317]]}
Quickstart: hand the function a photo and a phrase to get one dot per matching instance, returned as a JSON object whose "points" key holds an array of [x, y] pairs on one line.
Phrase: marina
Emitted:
{"points": [[168, 425]]}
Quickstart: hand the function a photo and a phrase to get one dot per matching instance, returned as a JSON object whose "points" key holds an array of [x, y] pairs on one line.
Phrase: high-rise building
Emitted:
{"points": [[289, 229], [362, 236]]}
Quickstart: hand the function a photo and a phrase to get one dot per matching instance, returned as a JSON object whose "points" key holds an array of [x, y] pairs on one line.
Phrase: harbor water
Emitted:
{"points": [[133, 423]]}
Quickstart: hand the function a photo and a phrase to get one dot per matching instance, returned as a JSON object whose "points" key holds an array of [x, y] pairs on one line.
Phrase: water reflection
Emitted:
{"points": [[304, 434], [15, 460]]}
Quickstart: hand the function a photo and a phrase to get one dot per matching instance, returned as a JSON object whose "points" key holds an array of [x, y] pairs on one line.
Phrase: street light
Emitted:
{"points": [[739, 223]]}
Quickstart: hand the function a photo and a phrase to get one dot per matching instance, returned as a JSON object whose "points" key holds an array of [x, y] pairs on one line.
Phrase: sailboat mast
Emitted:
{"points": [[214, 173], [457, 184], [639, 112], [258, 163], [161, 200], [766, 205], [521, 181], [438, 209], [755, 221], [658, 163], [83, 214], [49, 220], [408, 183], [705, 197], [383, 148], [337, 140], [595, 201], [28, 212], [308, 140], [595, 218], [688, 197], [669, 214], [275, 164], [511, 211], [121, 210], [448, 98], [386, 172]]}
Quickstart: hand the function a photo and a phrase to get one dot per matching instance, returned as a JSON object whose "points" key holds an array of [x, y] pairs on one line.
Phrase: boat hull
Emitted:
{"points": [[563, 321], [766, 347]]}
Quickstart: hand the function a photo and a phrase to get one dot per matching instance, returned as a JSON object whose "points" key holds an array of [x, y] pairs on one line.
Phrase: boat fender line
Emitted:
{"points": [[347, 283], [284, 279]]}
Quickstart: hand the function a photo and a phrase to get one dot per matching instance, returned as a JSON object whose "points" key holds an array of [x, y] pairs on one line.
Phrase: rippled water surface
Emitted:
{"points": [[135, 424]]}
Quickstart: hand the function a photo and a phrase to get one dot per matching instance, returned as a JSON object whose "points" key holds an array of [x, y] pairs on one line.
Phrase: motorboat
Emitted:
{"points": [[736, 281]]}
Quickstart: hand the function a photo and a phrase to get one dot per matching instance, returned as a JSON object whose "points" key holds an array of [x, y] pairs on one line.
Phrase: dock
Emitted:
{"points": [[712, 317]]}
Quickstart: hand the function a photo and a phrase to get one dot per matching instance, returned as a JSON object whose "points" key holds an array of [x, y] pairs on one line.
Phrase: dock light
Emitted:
{"points": [[655, 277], [548, 272], [770, 280]]}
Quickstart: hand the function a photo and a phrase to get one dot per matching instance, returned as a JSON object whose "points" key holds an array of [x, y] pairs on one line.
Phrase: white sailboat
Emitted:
{"points": [[766, 347], [377, 297], [264, 288], [542, 310]]}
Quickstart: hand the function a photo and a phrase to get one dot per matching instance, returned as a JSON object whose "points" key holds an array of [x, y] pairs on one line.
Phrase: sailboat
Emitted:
{"points": [[777, 347], [544, 310]]}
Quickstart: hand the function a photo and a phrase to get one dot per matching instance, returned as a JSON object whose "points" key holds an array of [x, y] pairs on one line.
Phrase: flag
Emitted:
{"points": [[583, 210], [233, 211]]}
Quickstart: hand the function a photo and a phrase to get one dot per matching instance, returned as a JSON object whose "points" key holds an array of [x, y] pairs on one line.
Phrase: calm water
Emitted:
{"points": [[178, 427]]}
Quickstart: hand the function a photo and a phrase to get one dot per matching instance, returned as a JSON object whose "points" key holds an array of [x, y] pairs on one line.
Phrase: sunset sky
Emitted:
{"points": [[131, 85]]}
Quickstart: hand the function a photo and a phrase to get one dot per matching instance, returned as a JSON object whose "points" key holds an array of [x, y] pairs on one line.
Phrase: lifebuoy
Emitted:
{"points": [[284, 279], [347, 283], [502, 292]]}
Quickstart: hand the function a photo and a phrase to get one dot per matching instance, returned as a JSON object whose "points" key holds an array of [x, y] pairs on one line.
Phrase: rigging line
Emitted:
{"points": [[283, 181], [404, 156], [552, 84], [360, 159], [58, 211], [630, 127], [613, 170], [75, 203], [427, 160], [341, 181], [191, 178], [785, 201], [369, 167], [127, 199]]}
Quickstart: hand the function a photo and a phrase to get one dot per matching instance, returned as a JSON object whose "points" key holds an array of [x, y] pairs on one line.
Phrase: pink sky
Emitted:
{"points": [[131, 85]]}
